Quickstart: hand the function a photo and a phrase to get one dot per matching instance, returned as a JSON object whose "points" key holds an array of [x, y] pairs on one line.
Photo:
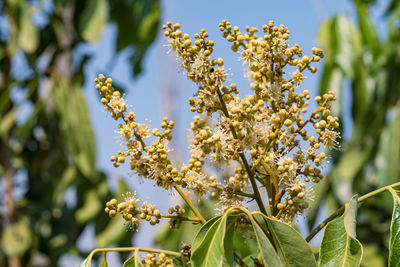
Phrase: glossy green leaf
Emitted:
{"points": [[28, 35], [199, 238], [394, 243], [133, 261], [213, 250], [93, 20], [103, 262], [267, 252], [339, 245], [291, 246]]}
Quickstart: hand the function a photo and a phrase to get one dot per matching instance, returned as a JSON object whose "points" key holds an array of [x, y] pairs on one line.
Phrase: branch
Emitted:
{"points": [[340, 211], [253, 182]]}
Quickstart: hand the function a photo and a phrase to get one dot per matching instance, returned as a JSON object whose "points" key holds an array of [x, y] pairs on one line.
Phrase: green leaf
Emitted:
{"points": [[394, 244], [339, 245], [16, 238], [93, 20], [213, 250], [291, 247], [103, 262], [199, 238], [243, 245], [133, 261], [28, 35], [267, 251]]}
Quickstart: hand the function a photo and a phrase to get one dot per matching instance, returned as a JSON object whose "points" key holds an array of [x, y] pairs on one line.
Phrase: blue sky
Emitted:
{"points": [[160, 90]]}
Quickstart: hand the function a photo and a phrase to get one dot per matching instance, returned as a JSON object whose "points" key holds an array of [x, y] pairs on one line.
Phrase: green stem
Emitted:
{"points": [[190, 204], [240, 193], [340, 211], [180, 217]]}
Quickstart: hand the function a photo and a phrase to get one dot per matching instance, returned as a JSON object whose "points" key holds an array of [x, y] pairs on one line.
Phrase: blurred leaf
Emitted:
{"points": [[372, 257], [90, 208], [93, 19], [394, 245], [112, 233], [72, 117], [65, 181], [388, 155], [339, 246], [368, 32], [143, 17], [7, 121], [28, 35], [16, 238]]}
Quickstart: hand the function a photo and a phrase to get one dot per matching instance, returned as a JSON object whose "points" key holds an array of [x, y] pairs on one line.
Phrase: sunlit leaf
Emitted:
{"points": [[210, 251], [339, 245]]}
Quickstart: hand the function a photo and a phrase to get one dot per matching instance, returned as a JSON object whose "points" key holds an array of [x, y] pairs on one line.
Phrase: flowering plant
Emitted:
{"points": [[270, 143]]}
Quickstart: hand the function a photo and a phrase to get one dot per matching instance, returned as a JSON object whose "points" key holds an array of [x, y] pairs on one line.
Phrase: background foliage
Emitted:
{"points": [[361, 66], [54, 145]]}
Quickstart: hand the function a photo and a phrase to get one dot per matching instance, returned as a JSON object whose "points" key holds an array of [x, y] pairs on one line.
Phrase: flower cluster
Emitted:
{"points": [[269, 139], [151, 260]]}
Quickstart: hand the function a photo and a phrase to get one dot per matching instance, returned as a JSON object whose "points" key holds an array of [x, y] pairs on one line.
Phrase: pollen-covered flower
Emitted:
{"points": [[117, 103], [297, 77], [219, 77], [329, 138]]}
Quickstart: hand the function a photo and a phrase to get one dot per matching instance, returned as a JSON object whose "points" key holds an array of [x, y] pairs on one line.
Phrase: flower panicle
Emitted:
{"points": [[270, 134]]}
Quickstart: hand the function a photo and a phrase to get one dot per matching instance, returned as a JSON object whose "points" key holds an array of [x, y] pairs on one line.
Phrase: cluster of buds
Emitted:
{"points": [[269, 138], [131, 212], [151, 260]]}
